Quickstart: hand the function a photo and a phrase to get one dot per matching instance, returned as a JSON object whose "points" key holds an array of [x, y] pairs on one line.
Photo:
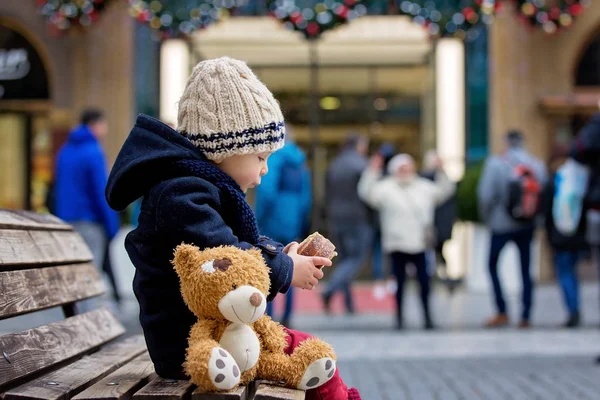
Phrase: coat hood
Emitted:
{"points": [[144, 160]]}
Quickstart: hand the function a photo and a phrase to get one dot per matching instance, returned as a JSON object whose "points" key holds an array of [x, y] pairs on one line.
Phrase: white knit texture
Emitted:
{"points": [[225, 110]]}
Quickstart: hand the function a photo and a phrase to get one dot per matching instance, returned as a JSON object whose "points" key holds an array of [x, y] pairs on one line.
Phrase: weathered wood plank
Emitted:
{"points": [[74, 378], [22, 248], [161, 388], [24, 353], [29, 220], [29, 290], [122, 383], [45, 221], [239, 393], [267, 391], [72, 246]]}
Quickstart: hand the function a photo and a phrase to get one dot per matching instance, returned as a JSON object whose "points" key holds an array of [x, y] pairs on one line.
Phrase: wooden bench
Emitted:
{"points": [[45, 264]]}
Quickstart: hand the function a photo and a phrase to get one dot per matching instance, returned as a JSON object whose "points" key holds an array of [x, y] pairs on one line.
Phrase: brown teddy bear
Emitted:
{"points": [[234, 342]]}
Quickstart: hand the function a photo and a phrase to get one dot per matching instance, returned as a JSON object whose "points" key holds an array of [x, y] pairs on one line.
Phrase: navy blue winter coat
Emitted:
{"points": [[174, 209]]}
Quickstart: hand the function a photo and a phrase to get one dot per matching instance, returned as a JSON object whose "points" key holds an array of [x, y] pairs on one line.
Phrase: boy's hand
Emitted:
{"points": [[286, 249], [306, 274]]}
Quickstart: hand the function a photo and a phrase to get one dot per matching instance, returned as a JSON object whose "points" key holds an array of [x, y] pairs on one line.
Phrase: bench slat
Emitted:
{"points": [[29, 220], [239, 393], [123, 382], [22, 248], [161, 388], [30, 290], [74, 378], [273, 392], [24, 353]]}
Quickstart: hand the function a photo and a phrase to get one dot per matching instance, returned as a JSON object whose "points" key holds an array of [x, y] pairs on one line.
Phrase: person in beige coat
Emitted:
{"points": [[406, 205]]}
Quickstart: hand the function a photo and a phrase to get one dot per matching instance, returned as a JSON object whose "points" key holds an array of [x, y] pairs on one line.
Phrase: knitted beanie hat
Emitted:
{"points": [[226, 110]]}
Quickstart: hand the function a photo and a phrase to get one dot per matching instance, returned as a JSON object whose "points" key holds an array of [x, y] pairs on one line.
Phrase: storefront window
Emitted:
{"points": [[383, 102], [13, 171], [41, 163]]}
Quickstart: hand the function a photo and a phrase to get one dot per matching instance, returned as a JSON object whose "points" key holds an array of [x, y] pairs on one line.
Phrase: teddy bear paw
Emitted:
{"points": [[223, 371], [317, 373]]}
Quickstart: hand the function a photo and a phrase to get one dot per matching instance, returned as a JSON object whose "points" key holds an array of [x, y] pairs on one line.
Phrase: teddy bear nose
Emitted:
{"points": [[255, 299]]}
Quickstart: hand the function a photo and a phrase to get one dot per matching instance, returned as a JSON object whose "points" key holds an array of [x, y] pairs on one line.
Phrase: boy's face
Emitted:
{"points": [[246, 170]]}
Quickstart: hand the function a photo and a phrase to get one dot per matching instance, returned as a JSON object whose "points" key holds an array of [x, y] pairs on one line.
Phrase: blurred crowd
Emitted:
{"points": [[384, 208], [381, 209]]}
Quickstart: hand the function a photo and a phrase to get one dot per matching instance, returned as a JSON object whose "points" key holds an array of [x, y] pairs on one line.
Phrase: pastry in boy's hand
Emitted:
{"points": [[317, 245]]}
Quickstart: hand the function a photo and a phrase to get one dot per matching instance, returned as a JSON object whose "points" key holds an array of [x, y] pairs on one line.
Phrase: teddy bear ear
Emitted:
{"points": [[186, 259]]}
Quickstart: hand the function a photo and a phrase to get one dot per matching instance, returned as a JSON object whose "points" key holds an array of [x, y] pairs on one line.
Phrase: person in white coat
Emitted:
{"points": [[406, 205]]}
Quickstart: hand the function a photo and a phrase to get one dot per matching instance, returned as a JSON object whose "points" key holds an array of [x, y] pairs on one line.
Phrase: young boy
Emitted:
{"points": [[193, 184]]}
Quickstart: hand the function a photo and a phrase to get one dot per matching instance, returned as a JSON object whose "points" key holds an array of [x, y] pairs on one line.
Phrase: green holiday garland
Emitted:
{"points": [[454, 20], [550, 15], [173, 18], [313, 19], [63, 15]]}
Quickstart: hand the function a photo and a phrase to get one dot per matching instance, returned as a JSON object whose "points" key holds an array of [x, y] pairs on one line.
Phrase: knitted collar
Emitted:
{"points": [[240, 217]]}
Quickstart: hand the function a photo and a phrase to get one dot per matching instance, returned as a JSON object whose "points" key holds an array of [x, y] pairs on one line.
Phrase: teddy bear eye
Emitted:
{"points": [[222, 264], [234, 287]]}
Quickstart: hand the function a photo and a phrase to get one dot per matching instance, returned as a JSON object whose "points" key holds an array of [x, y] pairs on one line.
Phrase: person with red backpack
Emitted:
{"points": [[509, 195]]}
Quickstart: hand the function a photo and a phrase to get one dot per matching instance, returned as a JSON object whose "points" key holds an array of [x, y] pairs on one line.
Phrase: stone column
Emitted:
{"points": [[104, 67]]}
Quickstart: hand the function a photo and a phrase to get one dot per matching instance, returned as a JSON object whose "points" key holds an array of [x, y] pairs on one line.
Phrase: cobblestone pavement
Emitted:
{"points": [[493, 378], [363, 346], [481, 364]]}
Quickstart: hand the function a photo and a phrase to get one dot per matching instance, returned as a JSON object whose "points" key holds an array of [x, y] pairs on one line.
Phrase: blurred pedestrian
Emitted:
{"points": [[348, 218], [380, 288], [406, 203], [509, 195], [107, 268], [586, 150], [444, 218], [80, 179], [283, 204], [566, 248]]}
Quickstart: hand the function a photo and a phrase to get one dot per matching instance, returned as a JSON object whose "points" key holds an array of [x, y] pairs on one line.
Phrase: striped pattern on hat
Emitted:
{"points": [[226, 110]]}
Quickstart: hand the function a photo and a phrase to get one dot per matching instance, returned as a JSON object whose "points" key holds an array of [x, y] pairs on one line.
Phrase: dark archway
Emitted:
{"points": [[587, 74], [588, 69], [23, 74]]}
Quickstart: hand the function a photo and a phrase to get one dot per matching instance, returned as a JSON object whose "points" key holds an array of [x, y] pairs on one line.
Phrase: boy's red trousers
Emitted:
{"points": [[334, 389]]}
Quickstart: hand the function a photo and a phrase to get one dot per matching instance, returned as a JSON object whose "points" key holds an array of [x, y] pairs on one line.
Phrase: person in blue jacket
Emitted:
{"points": [[80, 179], [283, 203]]}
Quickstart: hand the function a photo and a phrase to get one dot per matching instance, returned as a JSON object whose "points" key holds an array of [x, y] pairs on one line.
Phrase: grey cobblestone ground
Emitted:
{"points": [[361, 346], [505, 378]]}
